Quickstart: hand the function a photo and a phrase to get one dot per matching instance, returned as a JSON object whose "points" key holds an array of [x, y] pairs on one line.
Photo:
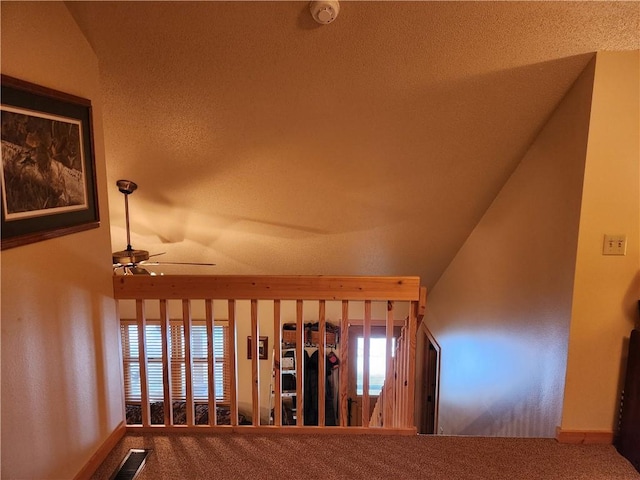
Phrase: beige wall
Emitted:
{"points": [[607, 288], [501, 311], [61, 374]]}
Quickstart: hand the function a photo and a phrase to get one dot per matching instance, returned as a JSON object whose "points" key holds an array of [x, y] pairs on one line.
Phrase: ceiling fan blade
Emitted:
{"points": [[181, 263]]}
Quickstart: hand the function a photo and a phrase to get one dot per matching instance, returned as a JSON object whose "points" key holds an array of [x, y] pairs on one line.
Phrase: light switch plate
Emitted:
{"points": [[614, 245]]}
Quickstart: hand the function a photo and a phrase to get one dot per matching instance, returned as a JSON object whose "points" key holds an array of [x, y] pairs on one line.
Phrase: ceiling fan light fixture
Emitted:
{"points": [[135, 270]]}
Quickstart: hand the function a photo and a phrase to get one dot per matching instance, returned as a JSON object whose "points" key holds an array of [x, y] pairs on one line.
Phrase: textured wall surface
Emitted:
{"points": [[502, 309], [607, 288], [61, 374]]}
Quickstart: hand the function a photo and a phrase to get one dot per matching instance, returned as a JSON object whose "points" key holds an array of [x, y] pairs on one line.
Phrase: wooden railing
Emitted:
{"points": [[394, 413], [397, 392]]}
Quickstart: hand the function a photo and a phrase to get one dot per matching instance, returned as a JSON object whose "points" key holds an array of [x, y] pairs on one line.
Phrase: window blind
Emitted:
{"points": [[200, 371]]}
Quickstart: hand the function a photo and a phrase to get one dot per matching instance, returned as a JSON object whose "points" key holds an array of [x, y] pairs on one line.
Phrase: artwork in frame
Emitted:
{"points": [[48, 167], [263, 345]]}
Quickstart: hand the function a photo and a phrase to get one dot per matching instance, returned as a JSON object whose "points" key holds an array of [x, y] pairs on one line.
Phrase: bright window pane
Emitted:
{"points": [[377, 363]]}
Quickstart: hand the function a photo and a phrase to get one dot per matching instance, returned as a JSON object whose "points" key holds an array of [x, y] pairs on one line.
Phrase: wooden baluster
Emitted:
{"points": [[322, 364], [387, 411], [397, 375], [403, 377], [142, 359], [390, 394], [411, 364], [165, 332], [366, 404], [233, 358], [211, 363], [255, 367], [188, 359], [277, 359], [417, 314], [344, 365], [300, 340], [378, 410]]}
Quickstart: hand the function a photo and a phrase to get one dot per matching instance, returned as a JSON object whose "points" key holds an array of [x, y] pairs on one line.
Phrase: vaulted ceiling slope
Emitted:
{"points": [[270, 144]]}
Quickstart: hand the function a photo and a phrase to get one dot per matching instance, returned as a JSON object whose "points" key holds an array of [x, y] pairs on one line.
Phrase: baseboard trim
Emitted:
{"points": [[101, 454], [267, 429], [584, 436]]}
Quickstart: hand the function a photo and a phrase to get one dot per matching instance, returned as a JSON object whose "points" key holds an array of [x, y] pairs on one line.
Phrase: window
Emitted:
{"points": [[200, 370], [377, 363]]}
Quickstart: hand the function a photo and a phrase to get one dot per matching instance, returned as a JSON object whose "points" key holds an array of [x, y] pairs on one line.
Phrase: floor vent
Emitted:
{"points": [[131, 465]]}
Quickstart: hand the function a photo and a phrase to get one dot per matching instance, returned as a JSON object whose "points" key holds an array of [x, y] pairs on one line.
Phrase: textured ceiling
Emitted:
{"points": [[270, 144]]}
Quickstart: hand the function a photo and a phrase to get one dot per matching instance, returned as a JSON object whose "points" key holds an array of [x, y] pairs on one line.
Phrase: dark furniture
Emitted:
{"points": [[628, 441], [200, 413]]}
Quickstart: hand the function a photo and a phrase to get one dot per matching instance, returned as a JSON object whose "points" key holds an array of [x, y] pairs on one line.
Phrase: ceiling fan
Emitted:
{"points": [[131, 260]]}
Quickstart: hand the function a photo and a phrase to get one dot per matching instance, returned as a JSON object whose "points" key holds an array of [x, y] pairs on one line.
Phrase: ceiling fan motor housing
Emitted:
{"points": [[130, 256], [126, 186]]}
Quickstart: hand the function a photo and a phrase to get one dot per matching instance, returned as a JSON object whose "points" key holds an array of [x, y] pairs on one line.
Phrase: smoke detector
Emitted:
{"points": [[324, 11]]}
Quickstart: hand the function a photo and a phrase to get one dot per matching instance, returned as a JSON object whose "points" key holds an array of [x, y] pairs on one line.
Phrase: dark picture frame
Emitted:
{"points": [[263, 348], [47, 173]]}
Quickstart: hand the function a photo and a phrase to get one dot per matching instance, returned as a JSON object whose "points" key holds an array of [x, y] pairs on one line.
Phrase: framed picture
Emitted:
{"points": [[48, 165], [263, 346]]}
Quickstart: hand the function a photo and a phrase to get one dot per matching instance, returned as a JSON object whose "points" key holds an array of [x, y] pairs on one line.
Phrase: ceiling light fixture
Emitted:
{"points": [[324, 11]]}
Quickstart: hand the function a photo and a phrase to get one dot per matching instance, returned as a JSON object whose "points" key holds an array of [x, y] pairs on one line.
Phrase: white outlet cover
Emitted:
{"points": [[614, 245]]}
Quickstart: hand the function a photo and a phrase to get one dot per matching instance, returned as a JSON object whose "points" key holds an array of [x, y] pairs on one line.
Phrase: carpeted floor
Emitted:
{"points": [[280, 456]]}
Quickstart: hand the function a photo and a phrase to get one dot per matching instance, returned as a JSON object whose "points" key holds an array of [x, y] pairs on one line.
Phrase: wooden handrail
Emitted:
{"points": [[395, 406], [285, 287]]}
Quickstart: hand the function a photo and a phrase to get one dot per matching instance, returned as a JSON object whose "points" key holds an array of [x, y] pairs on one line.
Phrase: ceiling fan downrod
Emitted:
{"points": [[128, 256], [126, 215]]}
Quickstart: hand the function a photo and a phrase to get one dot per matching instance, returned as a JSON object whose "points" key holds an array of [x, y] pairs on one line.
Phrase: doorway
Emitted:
{"points": [[377, 368], [427, 366], [428, 399]]}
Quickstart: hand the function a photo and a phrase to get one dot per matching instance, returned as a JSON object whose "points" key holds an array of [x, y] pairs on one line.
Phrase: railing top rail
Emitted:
{"points": [[267, 287]]}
